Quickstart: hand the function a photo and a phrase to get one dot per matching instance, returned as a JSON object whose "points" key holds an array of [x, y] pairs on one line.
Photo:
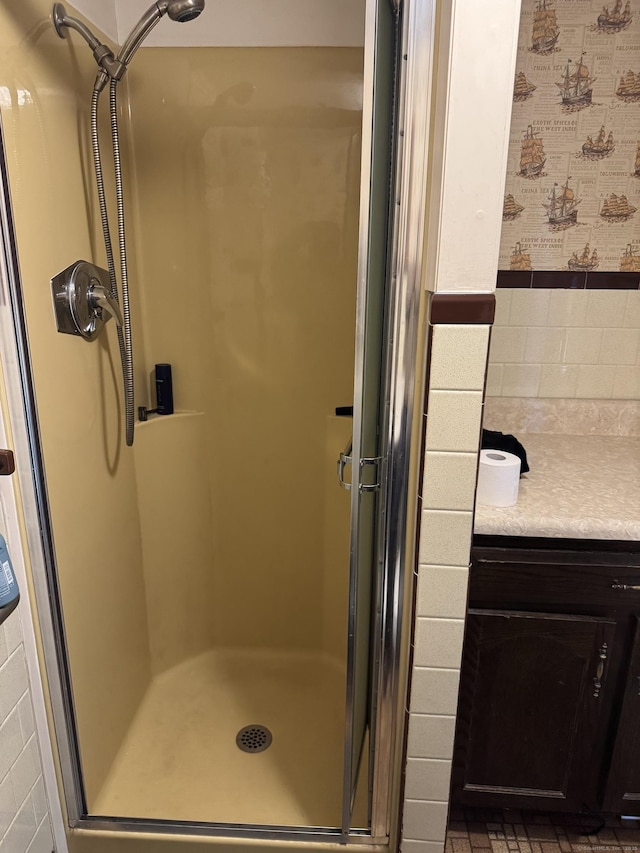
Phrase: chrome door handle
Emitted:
{"points": [[345, 458]]}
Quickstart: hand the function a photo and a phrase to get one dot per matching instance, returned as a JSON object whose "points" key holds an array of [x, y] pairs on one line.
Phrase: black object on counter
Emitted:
{"points": [[493, 440]]}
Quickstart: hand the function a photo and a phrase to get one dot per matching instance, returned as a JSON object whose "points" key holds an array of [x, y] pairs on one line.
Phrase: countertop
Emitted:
{"points": [[579, 487]]}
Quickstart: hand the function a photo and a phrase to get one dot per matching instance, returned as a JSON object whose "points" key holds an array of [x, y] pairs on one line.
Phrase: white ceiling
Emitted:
{"points": [[241, 23]]}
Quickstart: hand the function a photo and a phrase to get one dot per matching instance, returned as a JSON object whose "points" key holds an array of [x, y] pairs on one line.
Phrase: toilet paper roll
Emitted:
{"points": [[498, 478]]}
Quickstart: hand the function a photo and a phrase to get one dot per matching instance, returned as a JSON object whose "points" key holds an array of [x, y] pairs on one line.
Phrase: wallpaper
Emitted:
{"points": [[572, 195]]}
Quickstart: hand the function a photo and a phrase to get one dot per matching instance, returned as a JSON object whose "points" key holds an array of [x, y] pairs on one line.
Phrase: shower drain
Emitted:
{"points": [[254, 738]]}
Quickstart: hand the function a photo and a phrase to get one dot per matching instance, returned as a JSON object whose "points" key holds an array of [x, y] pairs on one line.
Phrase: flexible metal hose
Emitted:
{"points": [[127, 364], [124, 335]]}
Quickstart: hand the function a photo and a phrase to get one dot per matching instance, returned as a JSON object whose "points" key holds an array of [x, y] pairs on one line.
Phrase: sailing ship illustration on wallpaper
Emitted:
{"points": [[532, 156], [636, 168], [511, 209], [616, 208], [576, 86], [562, 210], [520, 259], [630, 260], [601, 146], [629, 87], [585, 261], [615, 20], [545, 28], [523, 88]]}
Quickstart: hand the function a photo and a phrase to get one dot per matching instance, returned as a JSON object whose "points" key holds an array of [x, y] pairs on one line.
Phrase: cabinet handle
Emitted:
{"points": [[597, 681], [625, 586]]}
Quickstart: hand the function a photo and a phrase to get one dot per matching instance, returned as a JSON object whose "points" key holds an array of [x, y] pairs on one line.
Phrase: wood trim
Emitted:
{"points": [[463, 308]]}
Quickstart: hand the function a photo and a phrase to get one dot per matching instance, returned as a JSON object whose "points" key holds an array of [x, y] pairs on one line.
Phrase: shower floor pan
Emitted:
{"points": [[180, 761]]}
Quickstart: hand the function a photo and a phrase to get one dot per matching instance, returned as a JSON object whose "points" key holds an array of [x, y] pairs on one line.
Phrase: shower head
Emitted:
{"points": [[183, 10], [114, 67], [177, 10]]}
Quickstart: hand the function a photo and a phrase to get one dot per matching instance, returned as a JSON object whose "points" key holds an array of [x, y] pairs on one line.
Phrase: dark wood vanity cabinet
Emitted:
{"points": [[549, 707], [622, 795]]}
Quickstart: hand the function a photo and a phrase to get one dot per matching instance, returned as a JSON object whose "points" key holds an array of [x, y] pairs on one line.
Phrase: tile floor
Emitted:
{"points": [[487, 831]]}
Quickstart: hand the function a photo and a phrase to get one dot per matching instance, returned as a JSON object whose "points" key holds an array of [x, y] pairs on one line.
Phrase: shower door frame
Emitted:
{"points": [[401, 388]]}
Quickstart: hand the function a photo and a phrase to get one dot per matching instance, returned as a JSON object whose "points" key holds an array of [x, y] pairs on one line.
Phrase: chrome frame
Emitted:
{"points": [[404, 389], [398, 552]]}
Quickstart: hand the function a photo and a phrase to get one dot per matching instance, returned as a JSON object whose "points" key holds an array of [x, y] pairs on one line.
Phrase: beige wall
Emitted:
{"points": [[566, 343], [91, 483], [247, 178]]}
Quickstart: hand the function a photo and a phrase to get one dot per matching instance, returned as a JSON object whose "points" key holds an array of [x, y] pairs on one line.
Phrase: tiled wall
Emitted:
{"points": [[454, 409], [24, 819], [566, 343]]}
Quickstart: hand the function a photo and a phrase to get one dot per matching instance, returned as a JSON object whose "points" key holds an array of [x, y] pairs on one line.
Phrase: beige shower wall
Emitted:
{"points": [[247, 177], [44, 94]]}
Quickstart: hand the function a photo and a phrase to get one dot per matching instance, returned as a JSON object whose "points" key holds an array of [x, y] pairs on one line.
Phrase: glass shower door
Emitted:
{"points": [[367, 453]]}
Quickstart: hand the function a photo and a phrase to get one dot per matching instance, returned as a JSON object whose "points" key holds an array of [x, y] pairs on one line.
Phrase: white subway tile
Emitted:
{"points": [[438, 642], [626, 383], [13, 630], [424, 820], [453, 420], [503, 306], [595, 381], [606, 308], [427, 779], [569, 308], [529, 307], [520, 380], [458, 357], [22, 830], [13, 677], [430, 736], [27, 722], [10, 742], [494, 379], [582, 346], [619, 346], [410, 846], [445, 537], [26, 771], [543, 346], [442, 591], [449, 480], [434, 691], [43, 839], [7, 804], [632, 313], [39, 799], [508, 343], [558, 380]]}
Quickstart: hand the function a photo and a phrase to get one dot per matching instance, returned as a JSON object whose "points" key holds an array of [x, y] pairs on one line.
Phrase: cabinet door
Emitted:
{"points": [[623, 785], [531, 717]]}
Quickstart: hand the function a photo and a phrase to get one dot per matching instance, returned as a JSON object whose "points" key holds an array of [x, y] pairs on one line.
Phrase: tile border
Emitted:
{"points": [[463, 309], [568, 280]]}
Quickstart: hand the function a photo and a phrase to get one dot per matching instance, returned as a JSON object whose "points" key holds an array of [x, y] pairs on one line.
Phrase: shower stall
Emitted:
{"points": [[222, 592]]}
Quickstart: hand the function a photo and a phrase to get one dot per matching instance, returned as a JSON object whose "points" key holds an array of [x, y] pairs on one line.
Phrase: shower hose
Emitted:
{"points": [[124, 332]]}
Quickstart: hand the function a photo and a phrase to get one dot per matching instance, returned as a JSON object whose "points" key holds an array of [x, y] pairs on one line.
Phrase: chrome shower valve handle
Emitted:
{"points": [[82, 300], [100, 299]]}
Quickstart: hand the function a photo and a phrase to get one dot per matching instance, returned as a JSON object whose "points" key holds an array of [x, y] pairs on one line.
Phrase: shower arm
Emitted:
{"points": [[111, 66]]}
